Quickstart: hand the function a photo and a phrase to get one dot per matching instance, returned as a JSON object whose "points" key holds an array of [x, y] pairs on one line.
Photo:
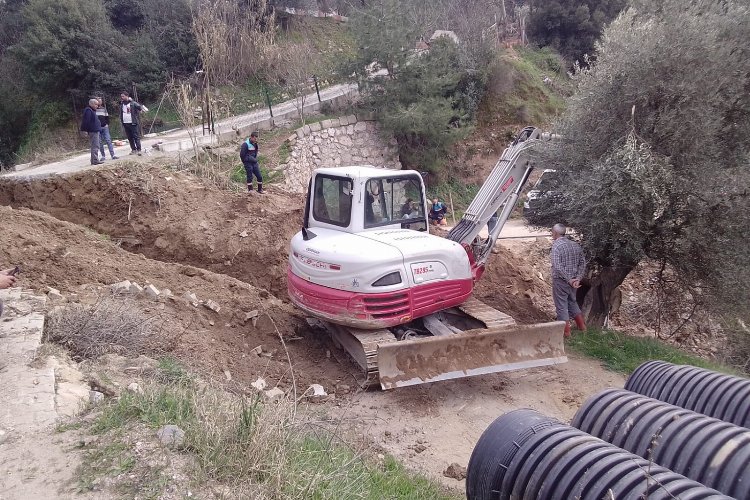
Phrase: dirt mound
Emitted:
{"points": [[81, 263], [514, 285], [175, 217]]}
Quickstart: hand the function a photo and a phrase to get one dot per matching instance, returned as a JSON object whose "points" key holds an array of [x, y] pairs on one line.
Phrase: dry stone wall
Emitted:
{"points": [[340, 142]]}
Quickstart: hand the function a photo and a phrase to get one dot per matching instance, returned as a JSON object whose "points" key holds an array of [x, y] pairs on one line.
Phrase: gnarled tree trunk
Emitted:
{"points": [[600, 295]]}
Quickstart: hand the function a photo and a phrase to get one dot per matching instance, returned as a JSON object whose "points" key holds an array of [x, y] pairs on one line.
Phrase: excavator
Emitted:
{"points": [[399, 299]]}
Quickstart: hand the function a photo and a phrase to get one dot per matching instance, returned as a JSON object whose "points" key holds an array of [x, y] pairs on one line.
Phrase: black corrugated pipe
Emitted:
{"points": [[710, 451], [704, 391], [525, 455]]}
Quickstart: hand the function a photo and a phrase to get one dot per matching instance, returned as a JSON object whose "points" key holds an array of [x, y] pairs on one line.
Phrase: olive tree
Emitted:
{"points": [[655, 157]]}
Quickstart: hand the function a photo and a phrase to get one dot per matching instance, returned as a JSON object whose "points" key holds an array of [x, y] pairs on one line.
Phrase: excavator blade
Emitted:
{"points": [[475, 352]]}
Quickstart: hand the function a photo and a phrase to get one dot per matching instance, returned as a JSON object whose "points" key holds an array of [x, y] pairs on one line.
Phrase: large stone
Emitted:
{"points": [[316, 392], [259, 384], [121, 287], [331, 132], [327, 124], [96, 397], [191, 298], [306, 129], [350, 130], [360, 127], [273, 394], [315, 127], [345, 140], [316, 150], [53, 293], [210, 304], [455, 471], [300, 133], [171, 436], [152, 292], [135, 288]]}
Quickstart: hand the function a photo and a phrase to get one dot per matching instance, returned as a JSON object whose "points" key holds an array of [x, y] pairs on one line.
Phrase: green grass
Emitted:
{"points": [[111, 460], [624, 353], [239, 442], [315, 473]]}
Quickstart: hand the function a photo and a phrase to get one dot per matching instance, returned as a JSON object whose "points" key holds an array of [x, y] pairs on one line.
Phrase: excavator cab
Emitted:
{"points": [[399, 299]]}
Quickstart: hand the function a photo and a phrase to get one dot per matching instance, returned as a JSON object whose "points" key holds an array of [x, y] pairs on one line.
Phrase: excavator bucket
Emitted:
{"points": [[474, 352]]}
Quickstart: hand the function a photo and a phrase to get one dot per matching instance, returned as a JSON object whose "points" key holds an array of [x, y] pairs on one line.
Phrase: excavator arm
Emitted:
{"points": [[499, 192]]}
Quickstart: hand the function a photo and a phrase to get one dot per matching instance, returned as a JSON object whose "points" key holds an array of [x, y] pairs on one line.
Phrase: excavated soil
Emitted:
{"points": [[82, 264], [174, 217]]}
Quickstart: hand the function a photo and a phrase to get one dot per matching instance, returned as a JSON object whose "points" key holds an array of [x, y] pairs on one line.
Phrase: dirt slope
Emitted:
{"points": [[76, 261], [174, 217]]}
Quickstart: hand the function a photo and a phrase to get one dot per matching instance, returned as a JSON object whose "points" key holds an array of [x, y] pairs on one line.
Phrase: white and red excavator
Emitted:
{"points": [[399, 299]]}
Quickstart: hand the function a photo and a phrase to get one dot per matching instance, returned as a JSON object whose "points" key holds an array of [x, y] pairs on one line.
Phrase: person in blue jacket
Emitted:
{"points": [[249, 157], [437, 213], [90, 124]]}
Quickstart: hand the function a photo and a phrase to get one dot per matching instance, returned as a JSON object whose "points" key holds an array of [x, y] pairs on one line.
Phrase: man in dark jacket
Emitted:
{"points": [[129, 115], [249, 157], [90, 124]]}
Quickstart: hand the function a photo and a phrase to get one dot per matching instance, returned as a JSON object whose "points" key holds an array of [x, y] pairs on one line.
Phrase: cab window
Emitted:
{"points": [[332, 200], [393, 201]]}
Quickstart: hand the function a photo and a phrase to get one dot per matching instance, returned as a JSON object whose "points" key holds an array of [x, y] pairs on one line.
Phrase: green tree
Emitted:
{"points": [[424, 98], [571, 26], [70, 44], [655, 161]]}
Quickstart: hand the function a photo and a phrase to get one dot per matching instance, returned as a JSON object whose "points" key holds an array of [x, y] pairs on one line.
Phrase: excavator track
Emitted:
{"points": [[501, 345]]}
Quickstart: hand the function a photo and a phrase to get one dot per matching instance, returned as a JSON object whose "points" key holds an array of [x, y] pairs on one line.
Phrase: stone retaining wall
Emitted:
{"points": [[339, 142]]}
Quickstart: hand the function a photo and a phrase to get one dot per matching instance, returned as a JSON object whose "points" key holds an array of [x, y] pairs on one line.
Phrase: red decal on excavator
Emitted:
{"points": [[507, 184]]}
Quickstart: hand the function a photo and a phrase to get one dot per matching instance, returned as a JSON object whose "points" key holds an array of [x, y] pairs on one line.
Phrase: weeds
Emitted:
{"points": [[624, 353], [109, 326], [255, 448]]}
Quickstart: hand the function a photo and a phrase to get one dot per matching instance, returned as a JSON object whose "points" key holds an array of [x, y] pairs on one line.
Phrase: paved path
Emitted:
{"points": [[180, 139], [34, 461]]}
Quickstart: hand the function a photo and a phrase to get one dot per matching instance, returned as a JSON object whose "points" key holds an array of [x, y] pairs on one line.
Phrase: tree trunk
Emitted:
{"points": [[599, 295]]}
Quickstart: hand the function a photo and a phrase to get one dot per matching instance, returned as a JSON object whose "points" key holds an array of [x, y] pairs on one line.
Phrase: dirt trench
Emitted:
{"points": [[173, 217]]}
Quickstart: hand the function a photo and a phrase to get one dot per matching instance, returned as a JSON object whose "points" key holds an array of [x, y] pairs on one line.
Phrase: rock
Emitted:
{"points": [[455, 471], [360, 127], [259, 384], [53, 293], [251, 316], [95, 397], [192, 298], [171, 436], [316, 393], [191, 271], [135, 388], [257, 350], [152, 292], [316, 150], [121, 287], [264, 294], [419, 448], [243, 234], [273, 394], [331, 132], [228, 375], [343, 388], [166, 293], [135, 288], [210, 304], [315, 127]]}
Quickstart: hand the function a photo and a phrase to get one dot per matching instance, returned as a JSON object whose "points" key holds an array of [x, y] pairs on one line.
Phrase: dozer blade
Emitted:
{"points": [[475, 352]]}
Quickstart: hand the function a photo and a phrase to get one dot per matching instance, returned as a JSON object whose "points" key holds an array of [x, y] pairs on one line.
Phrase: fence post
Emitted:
{"points": [[317, 90], [268, 100]]}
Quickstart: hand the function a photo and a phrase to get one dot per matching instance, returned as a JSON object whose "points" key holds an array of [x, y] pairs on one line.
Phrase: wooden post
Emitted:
{"points": [[453, 213]]}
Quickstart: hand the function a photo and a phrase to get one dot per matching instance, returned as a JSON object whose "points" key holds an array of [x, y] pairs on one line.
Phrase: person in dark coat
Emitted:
{"points": [[249, 157], [90, 124]]}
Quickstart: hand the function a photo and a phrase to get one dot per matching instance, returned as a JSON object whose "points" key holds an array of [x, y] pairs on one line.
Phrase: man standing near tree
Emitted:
{"points": [[90, 124], [129, 114], [568, 267]]}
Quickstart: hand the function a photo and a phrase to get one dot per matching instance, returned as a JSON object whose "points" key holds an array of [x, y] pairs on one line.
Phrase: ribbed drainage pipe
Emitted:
{"points": [[705, 449], [703, 391], [525, 455]]}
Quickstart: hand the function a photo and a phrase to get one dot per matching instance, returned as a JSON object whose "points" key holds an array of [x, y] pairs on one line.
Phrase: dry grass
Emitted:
{"points": [[110, 325]]}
